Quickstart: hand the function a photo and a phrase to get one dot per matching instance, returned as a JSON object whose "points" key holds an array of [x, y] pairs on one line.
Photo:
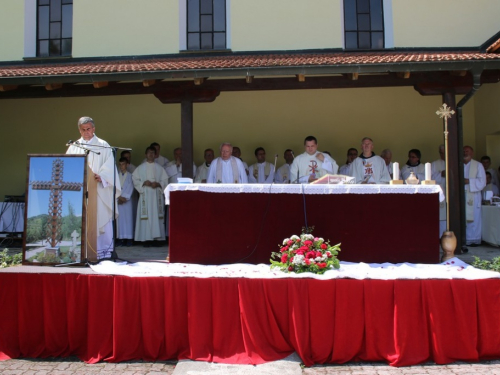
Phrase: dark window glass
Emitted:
{"points": [[193, 41], [55, 10], [55, 27], [43, 48], [55, 47], [206, 41], [55, 30], [206, 24], [363, 24], [43, 22], [67, 21]]}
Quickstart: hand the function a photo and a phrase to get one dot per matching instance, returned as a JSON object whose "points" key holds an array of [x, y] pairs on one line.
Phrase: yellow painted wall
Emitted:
{"points": [[11, 30], [285, 24], [125, 27], [487, 112], [444, 23], [397, 118]]}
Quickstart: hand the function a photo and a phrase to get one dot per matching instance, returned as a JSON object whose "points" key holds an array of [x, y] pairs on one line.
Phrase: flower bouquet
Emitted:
{"points": [[306, 254]]}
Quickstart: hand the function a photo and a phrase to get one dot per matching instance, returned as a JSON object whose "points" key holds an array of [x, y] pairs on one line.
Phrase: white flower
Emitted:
{"points": [[285, 241], [318, 259], [294, 237], [298, 259]]}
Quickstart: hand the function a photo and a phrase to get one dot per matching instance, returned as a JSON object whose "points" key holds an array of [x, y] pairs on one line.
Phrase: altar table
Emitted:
{"points": [[244, 223], [490, 222]]}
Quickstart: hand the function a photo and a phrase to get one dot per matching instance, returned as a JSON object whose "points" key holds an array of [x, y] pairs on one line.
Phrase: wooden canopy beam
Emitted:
{"points": [[4, 88]]}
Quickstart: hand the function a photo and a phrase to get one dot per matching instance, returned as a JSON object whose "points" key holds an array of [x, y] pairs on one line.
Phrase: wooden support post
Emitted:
{"points": [[456, 175], [187, 137], [301, 77]]}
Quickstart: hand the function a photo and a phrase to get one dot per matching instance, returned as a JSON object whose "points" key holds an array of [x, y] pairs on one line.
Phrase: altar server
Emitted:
{"points": [[261, 172], [202, 170], [227, 169], [125, 227], [475, 181], [150, 180], [282, 175], [312, 164], [103, 167], [369, 168]]}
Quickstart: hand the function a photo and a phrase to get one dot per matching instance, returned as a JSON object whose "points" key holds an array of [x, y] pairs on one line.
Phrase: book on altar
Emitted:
{"points": [[333, 179]]}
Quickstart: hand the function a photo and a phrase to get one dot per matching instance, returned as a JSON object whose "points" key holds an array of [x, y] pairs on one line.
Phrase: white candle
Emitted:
{"points": [[395, 171], [428, 171]]}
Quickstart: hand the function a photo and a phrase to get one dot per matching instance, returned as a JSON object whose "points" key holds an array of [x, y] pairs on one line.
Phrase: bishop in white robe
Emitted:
{"points": [[106, 175], [150, 180]]}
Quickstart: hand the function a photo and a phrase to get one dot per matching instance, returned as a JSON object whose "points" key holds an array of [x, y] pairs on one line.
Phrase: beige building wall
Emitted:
{"points": [[487, 113], [396, 118], [125, 27], [444, 23], [285, 25], [11, 30]]}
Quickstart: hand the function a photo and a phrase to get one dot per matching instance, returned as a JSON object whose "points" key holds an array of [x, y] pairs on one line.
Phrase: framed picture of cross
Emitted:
{"points": [[55, 210]]}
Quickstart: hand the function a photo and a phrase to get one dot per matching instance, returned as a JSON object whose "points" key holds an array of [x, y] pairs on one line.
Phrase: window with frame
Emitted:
{"points": [[54, 36], [206, 24], [363, 24]]}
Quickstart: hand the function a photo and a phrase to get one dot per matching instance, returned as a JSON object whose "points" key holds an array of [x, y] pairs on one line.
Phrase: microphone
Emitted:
{"points": [[70, 142]]}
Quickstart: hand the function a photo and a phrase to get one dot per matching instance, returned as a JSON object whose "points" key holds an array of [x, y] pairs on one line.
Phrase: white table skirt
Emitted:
{"points": [[305, 189], [490, 223]]}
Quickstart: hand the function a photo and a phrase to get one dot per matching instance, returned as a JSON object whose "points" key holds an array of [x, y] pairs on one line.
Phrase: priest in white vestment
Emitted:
{"points": [[438, 174], [475, 181], [413, 165], [261, 172], [352, 154], [174, 167], [312, 164], [202, 170], [125, 227], [369, 168], [386, 154], [106, 175], [282, 175], [227, 169], [150, 180]]}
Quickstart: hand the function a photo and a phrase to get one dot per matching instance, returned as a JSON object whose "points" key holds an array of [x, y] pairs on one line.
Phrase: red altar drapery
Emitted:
{"points": [[118, 318]]}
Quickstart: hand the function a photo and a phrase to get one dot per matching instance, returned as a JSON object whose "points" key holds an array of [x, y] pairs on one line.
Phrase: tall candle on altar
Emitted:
{"points": [[395, 171], [428, 171]]}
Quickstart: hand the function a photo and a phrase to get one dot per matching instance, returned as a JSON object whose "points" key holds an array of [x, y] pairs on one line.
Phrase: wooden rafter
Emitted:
{"points": [[53, 86], [98, 85]]}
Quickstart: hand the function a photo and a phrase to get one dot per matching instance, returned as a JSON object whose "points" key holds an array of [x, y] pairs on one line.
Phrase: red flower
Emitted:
{"points": [[289, 243], [308, 243], [318, 254], [323, 246], [307, 261], [311, 254], [328, 254], [321, 265], [291, 259], [290, 268], [300, 252], [284, 258], [284, 248]]}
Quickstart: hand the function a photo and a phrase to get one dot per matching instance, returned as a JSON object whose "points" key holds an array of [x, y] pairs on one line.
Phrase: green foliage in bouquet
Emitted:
{"points": [[306, 253]]}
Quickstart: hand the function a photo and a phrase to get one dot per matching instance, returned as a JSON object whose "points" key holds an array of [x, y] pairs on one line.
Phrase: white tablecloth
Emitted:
{"points": [[305, 189], [490, 223]]}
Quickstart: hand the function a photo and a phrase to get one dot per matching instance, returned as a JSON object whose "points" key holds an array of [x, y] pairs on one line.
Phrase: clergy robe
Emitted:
{"points": [[227, 171], [103, 165], [345, 169], [125, 227], [150, 209], [437, 167], [282, 175], [372, 169], [202, 173], [494, 177], [474, 171], [161, 160], [492, 188], [306, 165], [418, 170], [174, 171], [131, 168], [259, 169]]}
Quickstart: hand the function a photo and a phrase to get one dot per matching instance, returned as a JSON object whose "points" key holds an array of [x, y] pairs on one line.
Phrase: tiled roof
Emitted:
{"points": [[494, 46], [192, 63]]}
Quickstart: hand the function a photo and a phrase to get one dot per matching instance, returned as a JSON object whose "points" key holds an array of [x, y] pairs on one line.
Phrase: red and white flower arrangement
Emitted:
{"points": [[306, 253]]}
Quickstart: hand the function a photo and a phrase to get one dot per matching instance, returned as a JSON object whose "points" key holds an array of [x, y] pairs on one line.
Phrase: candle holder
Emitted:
{"points": [[396, 182], [428, 182]]}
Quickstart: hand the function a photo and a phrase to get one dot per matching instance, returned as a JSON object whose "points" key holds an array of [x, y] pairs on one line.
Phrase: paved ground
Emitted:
{"points": [[73, 365]]}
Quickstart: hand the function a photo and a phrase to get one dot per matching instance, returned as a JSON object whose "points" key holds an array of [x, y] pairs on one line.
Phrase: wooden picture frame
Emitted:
{"points": [[55, 222]]}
